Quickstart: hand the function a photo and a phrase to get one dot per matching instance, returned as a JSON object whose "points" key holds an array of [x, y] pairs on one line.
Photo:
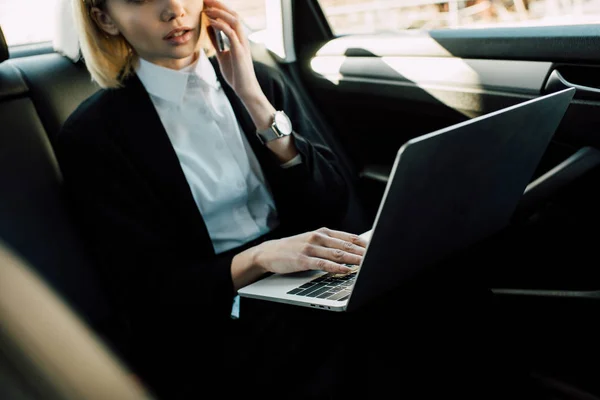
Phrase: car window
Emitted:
{"points": [[34, 21], [253, 12], [389, 16], [27, 21]]}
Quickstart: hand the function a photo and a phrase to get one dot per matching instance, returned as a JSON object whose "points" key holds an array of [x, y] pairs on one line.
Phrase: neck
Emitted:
{"points": [[179, 63]]}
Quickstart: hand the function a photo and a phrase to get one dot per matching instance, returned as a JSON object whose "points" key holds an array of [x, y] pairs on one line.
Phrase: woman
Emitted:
{"points": [[184, 190], [190, 183]]}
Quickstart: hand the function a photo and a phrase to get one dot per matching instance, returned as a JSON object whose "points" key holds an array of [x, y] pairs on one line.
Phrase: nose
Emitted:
{"points": [[173, 9]]}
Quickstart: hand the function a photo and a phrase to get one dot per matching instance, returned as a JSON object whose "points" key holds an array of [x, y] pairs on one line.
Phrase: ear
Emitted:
{"points": [[104, 21]]}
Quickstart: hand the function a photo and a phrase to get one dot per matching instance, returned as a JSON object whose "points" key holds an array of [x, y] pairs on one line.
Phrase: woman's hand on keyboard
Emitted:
{"points": [[324, 249]]}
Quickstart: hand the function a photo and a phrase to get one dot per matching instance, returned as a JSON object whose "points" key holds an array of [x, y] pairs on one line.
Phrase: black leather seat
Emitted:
{"points": [[36, 95], [56, 86]]}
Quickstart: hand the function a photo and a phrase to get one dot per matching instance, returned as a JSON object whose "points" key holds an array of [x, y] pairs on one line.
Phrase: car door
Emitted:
{"points": [[371, 92]]}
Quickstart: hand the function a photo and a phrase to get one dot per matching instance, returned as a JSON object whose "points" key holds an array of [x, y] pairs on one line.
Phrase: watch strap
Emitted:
{"points": [[272, 132], [266, 135]]}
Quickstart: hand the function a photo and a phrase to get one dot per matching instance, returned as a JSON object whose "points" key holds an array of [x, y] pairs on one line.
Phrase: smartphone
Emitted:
{"points": [[221, 39]]}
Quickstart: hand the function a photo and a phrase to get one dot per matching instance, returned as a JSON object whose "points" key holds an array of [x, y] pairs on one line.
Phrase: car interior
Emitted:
{"points": [[368, 94], [46, 351]]}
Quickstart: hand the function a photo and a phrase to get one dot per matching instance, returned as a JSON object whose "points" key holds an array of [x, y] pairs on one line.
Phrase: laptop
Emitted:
{"points": [[448, 189]]}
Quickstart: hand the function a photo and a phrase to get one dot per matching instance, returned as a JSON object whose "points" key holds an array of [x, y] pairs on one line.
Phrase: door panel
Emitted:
{"points": [[434, 72], [374, 92]]}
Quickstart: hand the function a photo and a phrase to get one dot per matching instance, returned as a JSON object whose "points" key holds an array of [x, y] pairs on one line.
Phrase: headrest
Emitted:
{"points": [[3, 47], [66, 41]]}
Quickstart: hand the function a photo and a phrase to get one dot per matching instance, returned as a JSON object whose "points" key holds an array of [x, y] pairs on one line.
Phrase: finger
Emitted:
{"points": [[215, 13], [322, 264], [219, 5], [228, 31], [336, 255], [225, 12], [345, 236], [322, 239]]}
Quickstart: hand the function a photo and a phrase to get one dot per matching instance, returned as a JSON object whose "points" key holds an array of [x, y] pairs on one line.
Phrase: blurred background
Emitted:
{"points": [[32, 21]]}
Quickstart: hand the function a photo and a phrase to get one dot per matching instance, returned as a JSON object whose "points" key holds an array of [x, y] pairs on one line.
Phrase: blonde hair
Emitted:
{"points": [[108, 58]]}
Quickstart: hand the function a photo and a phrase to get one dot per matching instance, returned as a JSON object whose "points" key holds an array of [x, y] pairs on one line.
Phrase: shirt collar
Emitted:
{"points": [[170, 84]]}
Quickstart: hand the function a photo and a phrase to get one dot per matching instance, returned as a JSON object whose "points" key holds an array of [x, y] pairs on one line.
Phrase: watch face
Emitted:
{"points": [[283, 123]]}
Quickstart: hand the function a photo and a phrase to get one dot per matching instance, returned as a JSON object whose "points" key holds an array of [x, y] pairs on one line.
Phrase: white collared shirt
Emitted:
{"points": [[224, 175]]}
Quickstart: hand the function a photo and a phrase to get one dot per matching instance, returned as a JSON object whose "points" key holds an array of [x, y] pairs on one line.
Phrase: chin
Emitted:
{"points": [[182, 55]]}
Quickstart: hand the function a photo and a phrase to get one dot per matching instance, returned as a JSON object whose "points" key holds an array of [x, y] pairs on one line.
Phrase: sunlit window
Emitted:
{"points": [[27, 21], [253, 12], [389, 16], [33, 21]]}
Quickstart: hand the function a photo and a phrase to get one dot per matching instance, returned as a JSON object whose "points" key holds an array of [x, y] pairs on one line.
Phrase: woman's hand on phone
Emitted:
{"points": [[236, 62]]}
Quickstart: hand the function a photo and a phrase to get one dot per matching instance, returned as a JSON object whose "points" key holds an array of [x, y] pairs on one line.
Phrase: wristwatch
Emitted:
{"points": [[280, 127]]}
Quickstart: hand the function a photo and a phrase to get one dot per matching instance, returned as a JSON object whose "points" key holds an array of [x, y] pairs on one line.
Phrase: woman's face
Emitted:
{"points": [[164, 32]]}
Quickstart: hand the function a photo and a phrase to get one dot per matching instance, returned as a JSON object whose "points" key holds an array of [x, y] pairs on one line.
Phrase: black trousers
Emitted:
{"points": [[436, 335]]}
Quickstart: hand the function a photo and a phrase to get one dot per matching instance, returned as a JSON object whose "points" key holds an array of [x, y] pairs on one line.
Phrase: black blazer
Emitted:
{"points": [[137, 211]]}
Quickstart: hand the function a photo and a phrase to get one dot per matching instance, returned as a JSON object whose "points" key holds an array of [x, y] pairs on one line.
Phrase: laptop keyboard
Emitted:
{"points": [[328, 286]]}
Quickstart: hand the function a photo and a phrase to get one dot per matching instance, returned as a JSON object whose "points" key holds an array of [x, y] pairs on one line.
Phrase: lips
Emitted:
{"points": [[177, 32]]}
